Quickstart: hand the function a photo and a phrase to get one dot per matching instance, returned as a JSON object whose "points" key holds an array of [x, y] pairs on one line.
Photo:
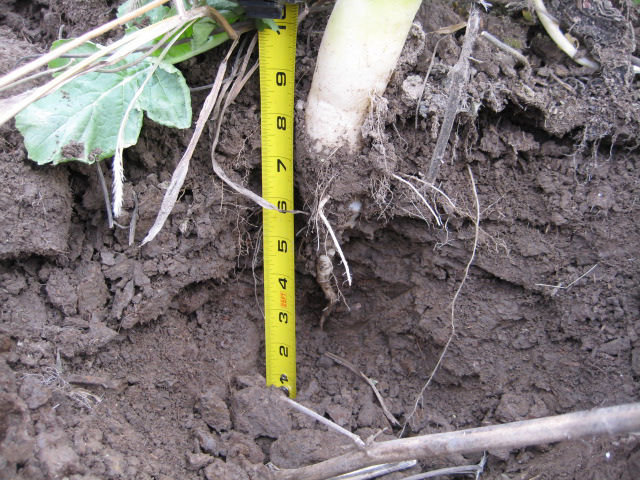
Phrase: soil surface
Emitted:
{"points": [[128, 362]]}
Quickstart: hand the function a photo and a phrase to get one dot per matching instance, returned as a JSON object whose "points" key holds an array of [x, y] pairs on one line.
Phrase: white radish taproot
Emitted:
{"points": [[359, 50]]}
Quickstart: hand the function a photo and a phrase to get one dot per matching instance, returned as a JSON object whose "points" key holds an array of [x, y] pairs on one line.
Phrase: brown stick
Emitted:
{"points": [[570, 426]]}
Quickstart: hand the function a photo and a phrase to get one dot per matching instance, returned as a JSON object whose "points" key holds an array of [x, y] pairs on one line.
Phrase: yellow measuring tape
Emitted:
{"points": [[277, 69]]}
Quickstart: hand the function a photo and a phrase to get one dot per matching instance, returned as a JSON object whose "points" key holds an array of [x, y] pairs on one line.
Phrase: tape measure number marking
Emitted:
{"points": [[277, 70]]}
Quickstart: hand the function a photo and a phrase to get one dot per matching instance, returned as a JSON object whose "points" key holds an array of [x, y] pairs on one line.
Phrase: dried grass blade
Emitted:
{"points": [[62, 49], [180, 173], [233, 93], [121, 49], [118, 168], [125, 44]]}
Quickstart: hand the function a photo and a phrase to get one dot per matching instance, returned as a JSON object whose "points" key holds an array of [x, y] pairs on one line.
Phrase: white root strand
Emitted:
{"points": [[506, 48], [553, 30], [333, 237], [420, 196], [452, 305], [325, 421], [372, 384], [563, 43]]}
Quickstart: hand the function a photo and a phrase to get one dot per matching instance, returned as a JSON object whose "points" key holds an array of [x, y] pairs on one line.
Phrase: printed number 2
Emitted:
{"points": [[284, 351]]}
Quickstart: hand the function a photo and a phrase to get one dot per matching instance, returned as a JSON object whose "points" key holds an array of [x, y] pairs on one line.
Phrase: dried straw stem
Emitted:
{"points": [[570, 426]]}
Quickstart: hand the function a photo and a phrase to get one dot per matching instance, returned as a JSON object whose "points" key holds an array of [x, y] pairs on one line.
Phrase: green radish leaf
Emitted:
{"points": [[176, 54], [262, 23], [81, 120], [223, 5], [201, 30], [152, 16], [166, 99], [85, 49], [203, 27]]}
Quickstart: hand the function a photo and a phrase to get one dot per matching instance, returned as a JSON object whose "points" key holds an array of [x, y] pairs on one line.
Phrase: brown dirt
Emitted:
{"points": [[169, 336]]}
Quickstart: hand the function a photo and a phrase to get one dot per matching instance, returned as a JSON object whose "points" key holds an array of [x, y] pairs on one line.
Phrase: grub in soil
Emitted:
{"points": [[170, 336]]}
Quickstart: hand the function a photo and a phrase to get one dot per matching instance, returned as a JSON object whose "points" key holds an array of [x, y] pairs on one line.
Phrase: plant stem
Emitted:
{"points": [[570, 426], [208, 45], [458, 79]]}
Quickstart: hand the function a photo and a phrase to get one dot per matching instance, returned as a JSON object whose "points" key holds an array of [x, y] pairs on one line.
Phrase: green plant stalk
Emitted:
{"points": [[213, 42]]}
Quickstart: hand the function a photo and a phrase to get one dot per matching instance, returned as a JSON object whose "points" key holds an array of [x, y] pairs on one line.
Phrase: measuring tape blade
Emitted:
{"points": [[277, 70]]}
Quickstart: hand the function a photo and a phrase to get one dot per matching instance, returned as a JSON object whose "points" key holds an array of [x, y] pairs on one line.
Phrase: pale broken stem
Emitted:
{"points": [[237, 86], [571, 426], [325, 421], [144, 54], [565, 287], [322, 216], [118, 164], [376, 471], [461, 470], [180, 172], [34, 76], [179, 4], [420, 196], [219, 171], [424, 82], [452, 305], [506, 48], [66, 47], [105, 194], [458, 80], [352, 367], [553, 30]]}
